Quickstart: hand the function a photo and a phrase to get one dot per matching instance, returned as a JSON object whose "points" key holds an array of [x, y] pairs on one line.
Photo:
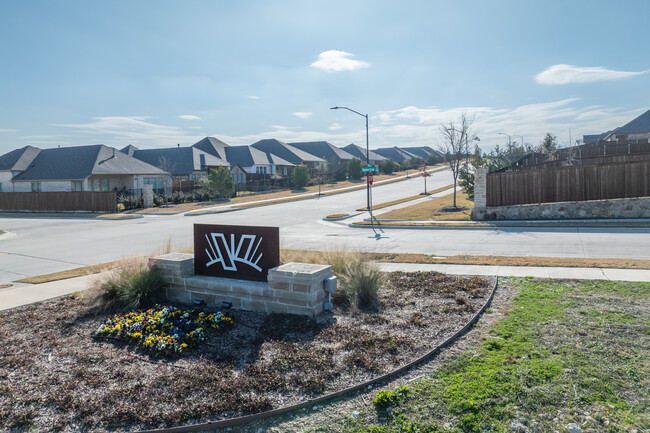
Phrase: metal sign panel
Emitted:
{"points": [[242, 252]]}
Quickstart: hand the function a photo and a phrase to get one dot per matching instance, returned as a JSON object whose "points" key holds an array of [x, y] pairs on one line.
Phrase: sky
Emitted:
{"points": [[160, 73]]}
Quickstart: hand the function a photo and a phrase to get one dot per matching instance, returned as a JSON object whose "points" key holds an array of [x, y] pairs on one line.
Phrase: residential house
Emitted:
{"points": [[14, 163], [396, 154], [421, 151], [636, 129], [213, 146], [288, 153], [183, 163], [360, 152], [253, 160], [88, 168], [324, 150]]}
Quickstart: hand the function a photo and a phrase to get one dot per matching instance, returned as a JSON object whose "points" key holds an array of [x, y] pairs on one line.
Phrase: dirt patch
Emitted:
{"points": [[54, 375]]}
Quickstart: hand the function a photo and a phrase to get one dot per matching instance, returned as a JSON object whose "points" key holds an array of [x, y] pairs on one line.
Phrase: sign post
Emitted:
{"points": [[370, 178]]}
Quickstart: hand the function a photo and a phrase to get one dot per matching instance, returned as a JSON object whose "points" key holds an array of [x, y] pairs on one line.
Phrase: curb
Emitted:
{"points": [[229, 422], [484, 225]]}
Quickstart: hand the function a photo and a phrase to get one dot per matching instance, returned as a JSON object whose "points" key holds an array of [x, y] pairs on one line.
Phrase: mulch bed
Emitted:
{"points": [[56, 376]]}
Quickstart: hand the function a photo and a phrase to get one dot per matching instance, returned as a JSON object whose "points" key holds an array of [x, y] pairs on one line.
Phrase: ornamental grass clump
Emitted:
{"points": [[133, 285], [360, 284], [163, 328]]}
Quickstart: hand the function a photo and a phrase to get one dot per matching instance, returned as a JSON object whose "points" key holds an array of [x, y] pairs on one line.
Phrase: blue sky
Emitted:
{"points": [[158, 73]]}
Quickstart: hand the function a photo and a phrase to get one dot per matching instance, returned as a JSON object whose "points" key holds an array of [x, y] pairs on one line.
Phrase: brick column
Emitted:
{"points": [[147, 194], [480, 187]]}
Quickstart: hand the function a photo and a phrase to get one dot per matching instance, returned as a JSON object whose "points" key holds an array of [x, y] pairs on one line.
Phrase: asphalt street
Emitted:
{"points": [[35, 246]]}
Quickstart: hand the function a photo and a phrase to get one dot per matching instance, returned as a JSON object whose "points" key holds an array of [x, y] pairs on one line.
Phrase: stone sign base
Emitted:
{"points": [[294, 288]]}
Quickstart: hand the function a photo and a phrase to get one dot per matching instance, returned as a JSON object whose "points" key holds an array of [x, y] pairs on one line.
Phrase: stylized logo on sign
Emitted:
{"points": [[245, 252], [216, 255]]}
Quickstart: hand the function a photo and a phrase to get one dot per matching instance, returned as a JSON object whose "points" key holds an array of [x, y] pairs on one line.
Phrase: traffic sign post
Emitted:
{"points": [[369, 169], [370, 178]]}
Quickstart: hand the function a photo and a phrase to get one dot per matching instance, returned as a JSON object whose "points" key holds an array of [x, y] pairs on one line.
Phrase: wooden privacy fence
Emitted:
{"points": [[59, 201], [576, 183]]}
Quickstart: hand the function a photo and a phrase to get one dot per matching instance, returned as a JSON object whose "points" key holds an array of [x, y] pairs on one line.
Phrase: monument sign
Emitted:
{"points": [[241, 252]]}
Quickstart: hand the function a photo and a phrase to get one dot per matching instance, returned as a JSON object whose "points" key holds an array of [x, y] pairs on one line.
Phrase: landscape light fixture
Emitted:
{"points": [[199, 302], [367, 153]]}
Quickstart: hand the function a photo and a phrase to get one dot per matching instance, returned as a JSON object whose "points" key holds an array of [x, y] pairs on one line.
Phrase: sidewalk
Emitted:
{"points": [[24, 294], [525, 271]]}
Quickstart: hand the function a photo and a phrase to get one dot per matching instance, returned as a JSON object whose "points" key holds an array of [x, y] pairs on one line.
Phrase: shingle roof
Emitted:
{"points": [[323, 149], [213, 146], [285, 151], [421, 151], [180, 161], [79, 162], [19, 159], [395, 153], [247, 156], [360, 153], [639, 125], [129, 150]]}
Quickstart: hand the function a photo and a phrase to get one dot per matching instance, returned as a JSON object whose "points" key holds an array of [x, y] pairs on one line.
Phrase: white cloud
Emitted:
{"points": [[136, 130], [336, 61], [253, 97], [9, 130], [567, 74], [335, 127], [189, 117], [303, 114]]}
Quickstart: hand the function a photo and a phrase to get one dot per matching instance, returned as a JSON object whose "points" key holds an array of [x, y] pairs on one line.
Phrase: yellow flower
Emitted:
{"points": [[137, 335], [183, 345]]}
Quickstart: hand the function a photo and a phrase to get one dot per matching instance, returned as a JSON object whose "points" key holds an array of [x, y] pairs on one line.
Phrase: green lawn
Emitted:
{"points": [[566, 352]]}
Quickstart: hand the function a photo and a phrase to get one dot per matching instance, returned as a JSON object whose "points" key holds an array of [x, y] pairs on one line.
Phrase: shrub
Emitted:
{"points": [[354, 168], [388, 166], [300, 176], [385, 399], [134, 285], [219, 183]]}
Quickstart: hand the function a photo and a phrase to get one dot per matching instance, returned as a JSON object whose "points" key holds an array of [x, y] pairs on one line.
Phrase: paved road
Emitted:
{"points": [[35, 246]]}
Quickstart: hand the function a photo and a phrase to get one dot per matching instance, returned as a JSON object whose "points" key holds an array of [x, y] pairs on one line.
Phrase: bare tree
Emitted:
{"points": [[455, 139]]}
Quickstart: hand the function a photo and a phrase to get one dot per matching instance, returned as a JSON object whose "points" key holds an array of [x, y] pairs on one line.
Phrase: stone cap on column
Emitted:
{"points": [[305, 269]]}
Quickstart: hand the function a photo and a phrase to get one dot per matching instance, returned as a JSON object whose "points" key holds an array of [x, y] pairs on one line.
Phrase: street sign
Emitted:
{"points": [[370, 178], [369, 168]]}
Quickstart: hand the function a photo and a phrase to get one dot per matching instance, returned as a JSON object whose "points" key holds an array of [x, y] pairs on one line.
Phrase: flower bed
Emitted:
{"points": [[163, 328]]}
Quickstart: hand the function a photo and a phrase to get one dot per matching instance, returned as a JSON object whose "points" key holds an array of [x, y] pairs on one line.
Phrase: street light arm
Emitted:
{"points": [[349, 109]]}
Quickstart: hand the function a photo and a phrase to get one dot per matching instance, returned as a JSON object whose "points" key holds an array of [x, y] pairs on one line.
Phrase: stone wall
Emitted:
{"points": [[295, 288], [613, 208]]}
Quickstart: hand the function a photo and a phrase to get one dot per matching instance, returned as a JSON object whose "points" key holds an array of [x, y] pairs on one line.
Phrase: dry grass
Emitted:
{"points": [[405, 199], [329, 256], [321, 257], [427, 210]]}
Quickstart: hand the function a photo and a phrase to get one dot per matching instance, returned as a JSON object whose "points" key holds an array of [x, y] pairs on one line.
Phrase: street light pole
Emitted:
{"points": [[367, 153], [509, 137]]}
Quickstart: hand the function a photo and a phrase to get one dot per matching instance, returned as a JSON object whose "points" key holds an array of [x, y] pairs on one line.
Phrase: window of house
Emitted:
{"points": [[100, 184], [0, 186], [77, 185], [36, 187]]}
